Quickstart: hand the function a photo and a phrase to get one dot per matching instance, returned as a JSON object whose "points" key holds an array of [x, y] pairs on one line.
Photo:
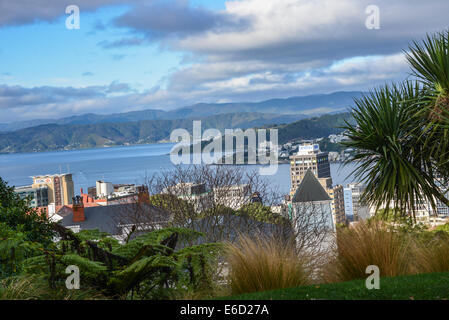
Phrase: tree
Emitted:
{"points": [[429, 61], [216, 200], [401, 134], [17, 215]]}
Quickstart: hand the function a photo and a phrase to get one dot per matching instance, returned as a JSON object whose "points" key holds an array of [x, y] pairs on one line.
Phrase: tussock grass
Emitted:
{"points": [[36, 288], [372, 243], [19, 288], [433, 255], [260, 264]]}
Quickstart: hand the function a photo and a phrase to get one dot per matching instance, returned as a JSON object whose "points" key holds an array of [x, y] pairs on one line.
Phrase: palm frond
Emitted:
{"points": [[389, 144]]}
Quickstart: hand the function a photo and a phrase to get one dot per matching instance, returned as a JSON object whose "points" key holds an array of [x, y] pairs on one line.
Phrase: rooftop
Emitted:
{"points": [[310, 189], [109, 218]]}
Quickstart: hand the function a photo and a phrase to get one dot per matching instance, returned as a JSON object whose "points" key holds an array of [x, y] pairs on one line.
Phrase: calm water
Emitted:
{"points": [[130, 164]]}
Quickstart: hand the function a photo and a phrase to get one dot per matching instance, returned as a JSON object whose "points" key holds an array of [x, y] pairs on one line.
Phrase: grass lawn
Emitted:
{"points": [[423, 286]]}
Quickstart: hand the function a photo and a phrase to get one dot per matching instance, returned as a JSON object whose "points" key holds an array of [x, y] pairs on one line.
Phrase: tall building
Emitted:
{"points": [[338, 204], [60, 187], [310, 157], [353, 205], [38, 196]]}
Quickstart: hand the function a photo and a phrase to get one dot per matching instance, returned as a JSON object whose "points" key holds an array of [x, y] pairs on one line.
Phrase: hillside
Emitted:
{"points": [[312, 128], [301, 107], [65, 137]]}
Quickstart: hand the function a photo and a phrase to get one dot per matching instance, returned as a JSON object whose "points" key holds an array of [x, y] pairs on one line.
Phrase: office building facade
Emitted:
{"points": [[38, 196], [309, 157], [352, 201], [60, 187]]}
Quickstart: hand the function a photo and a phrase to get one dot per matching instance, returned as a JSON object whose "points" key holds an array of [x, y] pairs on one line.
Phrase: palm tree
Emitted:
{"points": [[389, 148], [401, 132], [429, 61]]}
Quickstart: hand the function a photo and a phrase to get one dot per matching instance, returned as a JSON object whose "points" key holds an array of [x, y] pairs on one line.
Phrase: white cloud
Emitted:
{"points": [[264, 49]]}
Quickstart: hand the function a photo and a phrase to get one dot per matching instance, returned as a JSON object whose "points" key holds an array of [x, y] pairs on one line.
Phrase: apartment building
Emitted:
{"points": [[60, 187], [310, 157], [352, 202], [38, 196], [338, 204]]}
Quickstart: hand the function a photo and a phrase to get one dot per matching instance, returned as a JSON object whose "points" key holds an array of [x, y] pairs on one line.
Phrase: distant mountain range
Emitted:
{"points": [[301, 107], [76, 136]]}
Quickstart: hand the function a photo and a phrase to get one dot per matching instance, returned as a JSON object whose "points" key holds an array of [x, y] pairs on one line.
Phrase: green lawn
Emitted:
{"points": [[423, 286]]}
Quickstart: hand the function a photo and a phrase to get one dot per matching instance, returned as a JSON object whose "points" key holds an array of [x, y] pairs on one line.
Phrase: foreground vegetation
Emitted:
{"points": [[415, 287]]}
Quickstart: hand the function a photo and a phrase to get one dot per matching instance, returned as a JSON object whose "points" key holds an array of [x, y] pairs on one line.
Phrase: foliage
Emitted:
{"points": [[173, 204], [374, 243], [32, 287], [147, 267], [259, 212], [388, 149], [14, 250], [401, 133], [398, 222], [264, 264], [17, 215]]}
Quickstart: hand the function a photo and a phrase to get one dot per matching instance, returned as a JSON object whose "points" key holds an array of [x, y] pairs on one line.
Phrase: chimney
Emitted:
{"points": [[143, 194], [78, 209]]}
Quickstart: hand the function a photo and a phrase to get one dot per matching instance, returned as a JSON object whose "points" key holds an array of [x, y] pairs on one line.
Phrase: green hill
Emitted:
{"points": [[66, 137], [313, 128], [76, 136]]}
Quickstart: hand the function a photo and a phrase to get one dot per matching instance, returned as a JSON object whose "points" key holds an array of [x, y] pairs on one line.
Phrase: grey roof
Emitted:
{"points": [[310, 190], [109, 218], [228, 227]]}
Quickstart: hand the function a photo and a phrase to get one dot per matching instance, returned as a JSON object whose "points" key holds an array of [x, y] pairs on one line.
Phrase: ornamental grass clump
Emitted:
{"points": [[261, 264], [375, 243]]}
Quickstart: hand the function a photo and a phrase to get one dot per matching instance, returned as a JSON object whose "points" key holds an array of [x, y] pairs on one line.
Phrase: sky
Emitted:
{"points": [[134, 55]]}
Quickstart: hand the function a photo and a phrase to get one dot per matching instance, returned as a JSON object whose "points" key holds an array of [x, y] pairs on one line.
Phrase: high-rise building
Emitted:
{"points": [[310, 157], [353, 205], [60, 187], [338, 204], [38, 196]]}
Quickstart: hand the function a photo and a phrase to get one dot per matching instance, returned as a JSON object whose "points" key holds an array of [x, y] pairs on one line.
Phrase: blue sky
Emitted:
{"points": [[166, 54], [48, 54]]}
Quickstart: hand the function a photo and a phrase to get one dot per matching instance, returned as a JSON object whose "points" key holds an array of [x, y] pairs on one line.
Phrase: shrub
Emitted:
{"points": [[264, 264]]}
